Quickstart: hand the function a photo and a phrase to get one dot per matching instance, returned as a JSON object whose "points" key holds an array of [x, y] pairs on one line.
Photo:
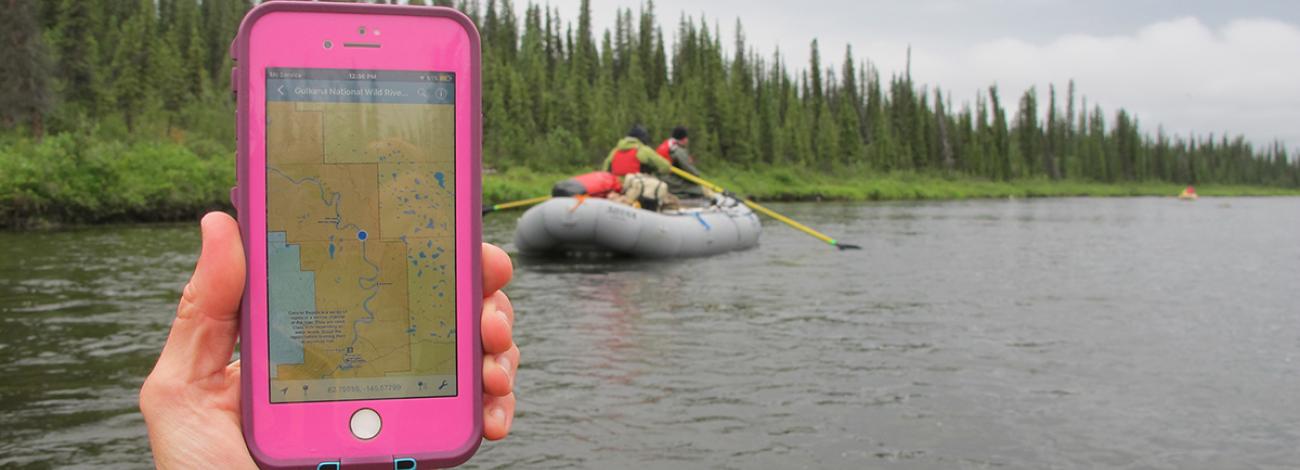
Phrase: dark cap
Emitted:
{"points": [[679, 132], [640, 133]]}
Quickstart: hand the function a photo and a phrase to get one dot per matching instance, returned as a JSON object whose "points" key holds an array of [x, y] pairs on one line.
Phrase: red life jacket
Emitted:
{"points": [[625, 162], [666, 150]]}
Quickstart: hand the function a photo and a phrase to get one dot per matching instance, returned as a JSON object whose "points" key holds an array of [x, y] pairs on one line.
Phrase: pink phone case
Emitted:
{"points": [[289, 435]]}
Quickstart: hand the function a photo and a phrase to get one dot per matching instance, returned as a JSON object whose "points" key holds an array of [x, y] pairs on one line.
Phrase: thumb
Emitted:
{"points": [[207, 320]]}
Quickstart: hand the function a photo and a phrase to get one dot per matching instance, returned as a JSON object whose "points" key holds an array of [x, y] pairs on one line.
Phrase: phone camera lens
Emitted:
{"points": [[328, 44], [361, 30]]}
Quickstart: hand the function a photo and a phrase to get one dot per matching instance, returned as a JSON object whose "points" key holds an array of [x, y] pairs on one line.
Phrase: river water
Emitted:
{"points": [[1055, 333]]}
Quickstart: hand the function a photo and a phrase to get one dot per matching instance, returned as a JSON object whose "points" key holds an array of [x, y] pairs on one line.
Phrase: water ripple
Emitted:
{"points": [[1116, 333]]}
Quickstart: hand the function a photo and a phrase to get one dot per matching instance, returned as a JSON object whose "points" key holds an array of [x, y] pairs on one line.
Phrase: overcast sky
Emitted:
{"points": [[1192, 65]]}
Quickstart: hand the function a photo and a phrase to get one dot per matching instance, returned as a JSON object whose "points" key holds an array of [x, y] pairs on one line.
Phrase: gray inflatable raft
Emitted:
{"points": [[564, 225]]}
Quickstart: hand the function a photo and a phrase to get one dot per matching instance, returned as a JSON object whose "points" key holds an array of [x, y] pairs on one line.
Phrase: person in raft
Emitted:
{"points": [[675, 151], [640, 169]]}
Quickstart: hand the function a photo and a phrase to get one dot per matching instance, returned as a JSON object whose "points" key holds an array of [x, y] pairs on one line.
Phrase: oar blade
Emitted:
{"points": [[846, 246]]}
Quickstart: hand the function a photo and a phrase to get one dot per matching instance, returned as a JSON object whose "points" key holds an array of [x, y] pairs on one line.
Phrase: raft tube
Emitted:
{"points": [[568, 225]]}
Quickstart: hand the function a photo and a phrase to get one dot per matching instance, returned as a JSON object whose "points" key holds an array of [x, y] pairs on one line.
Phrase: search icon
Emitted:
{"points": [[422, 92]]}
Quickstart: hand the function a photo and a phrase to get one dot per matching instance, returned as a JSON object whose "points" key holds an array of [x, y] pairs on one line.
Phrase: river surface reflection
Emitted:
{"points": [[1056, 333]]}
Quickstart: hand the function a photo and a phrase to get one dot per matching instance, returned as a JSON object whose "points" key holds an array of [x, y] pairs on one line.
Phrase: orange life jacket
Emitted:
{"points": [[666, 150], [625, 162]]}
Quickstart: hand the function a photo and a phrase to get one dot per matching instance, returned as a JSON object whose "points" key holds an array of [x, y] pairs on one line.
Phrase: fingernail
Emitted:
{"points": [[498, 413], [203, 232], [504, 318], [206, 222]]}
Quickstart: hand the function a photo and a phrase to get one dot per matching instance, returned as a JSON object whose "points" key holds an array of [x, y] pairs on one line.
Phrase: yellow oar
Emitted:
{"points": [[770, 213], [512, 205]]}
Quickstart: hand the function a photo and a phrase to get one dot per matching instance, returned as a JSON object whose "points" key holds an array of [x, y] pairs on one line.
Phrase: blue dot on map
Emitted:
{"points": [[361, 235]]}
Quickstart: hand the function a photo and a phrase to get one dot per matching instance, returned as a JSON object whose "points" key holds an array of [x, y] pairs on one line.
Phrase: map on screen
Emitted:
{"points": [[360, 234]]}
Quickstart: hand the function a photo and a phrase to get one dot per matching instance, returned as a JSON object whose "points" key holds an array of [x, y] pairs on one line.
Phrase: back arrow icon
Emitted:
{"points": [[281, 89]]}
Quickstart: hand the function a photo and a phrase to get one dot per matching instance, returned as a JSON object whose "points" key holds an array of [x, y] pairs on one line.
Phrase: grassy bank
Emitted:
{"points": [[69, 179], [803, 185], [77, 180]]}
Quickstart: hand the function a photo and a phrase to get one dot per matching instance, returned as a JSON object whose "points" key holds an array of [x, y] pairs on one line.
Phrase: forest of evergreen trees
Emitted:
{"points": [[558, 94], [143, 65]]}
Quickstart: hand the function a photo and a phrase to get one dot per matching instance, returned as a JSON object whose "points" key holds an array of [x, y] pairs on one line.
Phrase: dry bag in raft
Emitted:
{"points": [[596, 183]]}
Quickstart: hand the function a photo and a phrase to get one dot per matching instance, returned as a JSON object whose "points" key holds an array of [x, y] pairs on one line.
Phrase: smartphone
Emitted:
{"points": [[358, 194]]}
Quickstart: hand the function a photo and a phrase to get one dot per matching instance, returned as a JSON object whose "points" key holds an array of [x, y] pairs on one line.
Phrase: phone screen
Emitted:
{"points": [[360, 211]]}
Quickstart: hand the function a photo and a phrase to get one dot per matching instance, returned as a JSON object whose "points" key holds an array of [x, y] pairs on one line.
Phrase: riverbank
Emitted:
{"points": [[76, 180], [805, 185], [66, 181]]}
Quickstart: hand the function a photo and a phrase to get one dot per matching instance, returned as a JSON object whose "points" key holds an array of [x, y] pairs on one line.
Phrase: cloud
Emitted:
{"points": [[1240, 78]]}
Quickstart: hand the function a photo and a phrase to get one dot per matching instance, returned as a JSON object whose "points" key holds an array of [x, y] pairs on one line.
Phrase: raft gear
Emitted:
{"points": [[647, 192], [596, 183]]}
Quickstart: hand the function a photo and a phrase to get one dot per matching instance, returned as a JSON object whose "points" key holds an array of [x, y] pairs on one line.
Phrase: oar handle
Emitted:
{"points": [[788, 221], [769, 212], [514, 204], [697, 180]]}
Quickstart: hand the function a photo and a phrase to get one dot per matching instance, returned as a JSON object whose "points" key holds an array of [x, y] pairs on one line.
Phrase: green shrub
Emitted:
{"points": [[75, 179]]}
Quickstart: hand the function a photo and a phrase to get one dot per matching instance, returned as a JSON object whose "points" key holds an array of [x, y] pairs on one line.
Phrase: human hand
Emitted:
{"points": [[190, 401]]}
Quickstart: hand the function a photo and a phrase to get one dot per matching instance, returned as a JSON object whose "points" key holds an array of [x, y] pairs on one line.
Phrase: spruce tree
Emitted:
{"points": [[1028, 136], [585, 59], [131, 64], [1051, 137], [944, 150], [815, 80], [24, 68], [166, 75], [76, 45], [1001, 144]]}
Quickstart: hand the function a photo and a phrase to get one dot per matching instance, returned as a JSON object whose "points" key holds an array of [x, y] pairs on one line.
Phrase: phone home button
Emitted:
{"points": [[365, 424]]}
